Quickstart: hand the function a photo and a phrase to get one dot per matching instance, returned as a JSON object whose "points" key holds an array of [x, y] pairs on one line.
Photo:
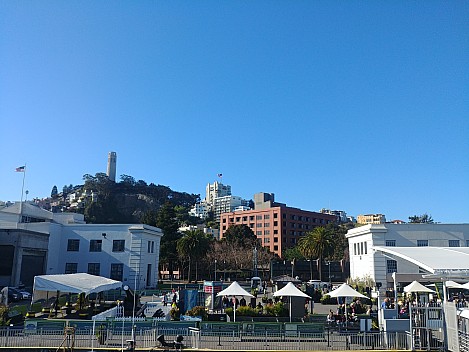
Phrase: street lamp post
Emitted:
{"points": [[224, 270], [329, 267], [215, 274]]}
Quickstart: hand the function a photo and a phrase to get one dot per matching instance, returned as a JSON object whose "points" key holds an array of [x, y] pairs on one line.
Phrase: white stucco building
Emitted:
{"points": [[59, 243], [367, 262]]}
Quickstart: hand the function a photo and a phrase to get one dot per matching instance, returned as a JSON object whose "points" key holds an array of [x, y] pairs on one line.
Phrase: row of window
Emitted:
{"points": [[116, 273], [360, 248], [73, 245], [424, 243], [284, 216]]}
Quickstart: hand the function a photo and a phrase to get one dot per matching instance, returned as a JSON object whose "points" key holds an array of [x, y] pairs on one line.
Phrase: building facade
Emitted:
{"points": [[367, 263], [277, 226], [63, 243], [371, 219], [216, 190]]}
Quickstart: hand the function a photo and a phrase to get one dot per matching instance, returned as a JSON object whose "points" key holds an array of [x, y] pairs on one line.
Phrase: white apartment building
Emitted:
{"points": [[216, 190], [62, 243], [227, 204], [367, 262], [200, 210]]}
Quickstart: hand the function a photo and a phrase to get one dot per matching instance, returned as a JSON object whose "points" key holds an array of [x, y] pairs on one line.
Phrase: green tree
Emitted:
{"points": [[293, 253], [193, 245], [54, 192], [316, 244], [166, 220], [241, 235], [421, 219]]}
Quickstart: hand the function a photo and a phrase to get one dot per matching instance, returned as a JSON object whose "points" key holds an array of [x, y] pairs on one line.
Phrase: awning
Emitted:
{"points": [[447, 261], [74, 283]]}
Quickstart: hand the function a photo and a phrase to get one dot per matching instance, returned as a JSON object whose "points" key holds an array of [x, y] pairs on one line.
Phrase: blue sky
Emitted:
{"points": [[360, 106]]}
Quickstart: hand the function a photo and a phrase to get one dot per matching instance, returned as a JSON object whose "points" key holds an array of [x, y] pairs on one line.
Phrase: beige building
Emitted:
{"points": [[371, 219]]}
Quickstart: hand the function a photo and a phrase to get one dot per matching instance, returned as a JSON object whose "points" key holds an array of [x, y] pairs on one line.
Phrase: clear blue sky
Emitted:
{"points": [[361, 106]]}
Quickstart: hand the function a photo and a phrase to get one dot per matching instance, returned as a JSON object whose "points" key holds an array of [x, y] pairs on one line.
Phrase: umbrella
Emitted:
{"points": [[234, 290], [345, 290], [290, 290], [452, 284], [416, 286]]}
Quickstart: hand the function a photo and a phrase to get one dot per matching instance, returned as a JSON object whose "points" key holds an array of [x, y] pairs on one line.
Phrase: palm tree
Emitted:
{"points": [[193, 246], [315, 244]]}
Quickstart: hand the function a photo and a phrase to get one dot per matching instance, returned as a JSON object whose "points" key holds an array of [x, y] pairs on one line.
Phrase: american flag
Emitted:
{"points": [[220, 175], [20, 168]]}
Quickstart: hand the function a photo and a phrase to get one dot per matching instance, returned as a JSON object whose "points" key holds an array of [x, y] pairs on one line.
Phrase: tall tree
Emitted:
{"points": [[241, 235], [54, 192], [316, 244], [193, 245], [167, 222]]}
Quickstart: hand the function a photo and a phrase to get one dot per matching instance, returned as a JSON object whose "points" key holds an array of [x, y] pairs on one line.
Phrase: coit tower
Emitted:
{"points": [[111, 166]]}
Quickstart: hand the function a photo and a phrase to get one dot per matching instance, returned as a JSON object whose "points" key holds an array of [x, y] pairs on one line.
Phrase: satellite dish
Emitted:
{"points": [[126, 288]]}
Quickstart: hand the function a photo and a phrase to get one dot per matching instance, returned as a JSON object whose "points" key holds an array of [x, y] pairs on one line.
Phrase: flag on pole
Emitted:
{"points": [[20, 168], [220, 175]]}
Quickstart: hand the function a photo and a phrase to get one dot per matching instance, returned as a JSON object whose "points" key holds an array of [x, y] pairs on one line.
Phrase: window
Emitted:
{"points": [[467, 243], [251, 225], [258, 217], [259, 233], [422, 243], [284, 216], [94, 268], [258, 225], [95, 245], [453, 243], [275, 232], [251, 218], [71, 268], [267, 224], [238, 218], [275, 239], [361, 248], [117, 272], [266, 240], [245, 218], [354, 249], [118, 245], [223, 220], [267, 216], [390, 243], [391, 266], [366, 250], [267, 232], [151, 247], [275, 215], [275, 223], [275, 248], [73, 245]]}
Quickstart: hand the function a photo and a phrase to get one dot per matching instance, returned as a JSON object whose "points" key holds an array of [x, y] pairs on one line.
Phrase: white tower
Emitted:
{"points": [[111, 166]]}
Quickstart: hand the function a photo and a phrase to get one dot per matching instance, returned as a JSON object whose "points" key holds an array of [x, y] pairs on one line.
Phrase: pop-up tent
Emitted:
{"points": [[74, 283], [290, 290]]}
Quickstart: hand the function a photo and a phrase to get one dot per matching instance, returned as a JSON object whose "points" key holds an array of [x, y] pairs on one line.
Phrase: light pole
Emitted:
{"points": [[215, 274], [224, 270], [329, 267]]}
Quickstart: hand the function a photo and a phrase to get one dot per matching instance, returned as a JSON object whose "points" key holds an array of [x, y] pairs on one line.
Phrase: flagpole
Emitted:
{"points": [[22, 192]]}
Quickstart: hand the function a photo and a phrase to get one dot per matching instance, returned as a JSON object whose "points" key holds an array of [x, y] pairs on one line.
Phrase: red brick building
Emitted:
{"points": [[275, 225]]}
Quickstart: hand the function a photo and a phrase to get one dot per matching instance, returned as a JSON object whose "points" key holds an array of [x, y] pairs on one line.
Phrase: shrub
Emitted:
{"points": [[198, 311], [277, 310], [175, 313], [246, 311], [326, 299]]}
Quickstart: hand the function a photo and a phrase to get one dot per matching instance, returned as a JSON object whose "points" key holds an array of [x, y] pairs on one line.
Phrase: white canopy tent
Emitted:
{"points": [[234, 290], [417, 287], [74, 283], [290, 290], [345, 290]]}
